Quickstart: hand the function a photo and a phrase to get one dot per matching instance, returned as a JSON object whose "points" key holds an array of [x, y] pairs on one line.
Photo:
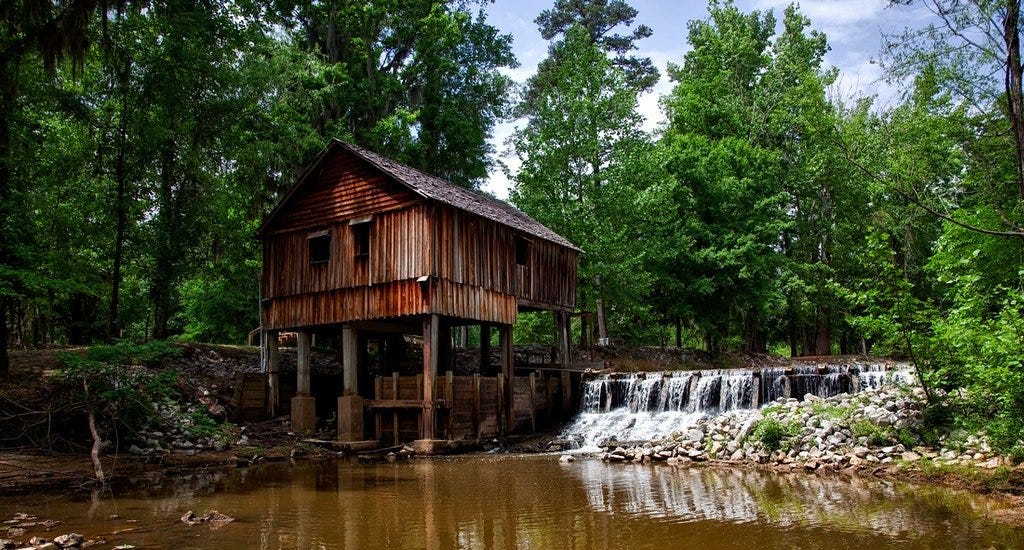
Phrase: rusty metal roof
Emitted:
{"points": [[476, 202]]}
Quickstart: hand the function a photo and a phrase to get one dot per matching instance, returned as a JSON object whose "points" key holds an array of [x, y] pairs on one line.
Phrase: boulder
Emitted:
{"points": [[70, 540]]}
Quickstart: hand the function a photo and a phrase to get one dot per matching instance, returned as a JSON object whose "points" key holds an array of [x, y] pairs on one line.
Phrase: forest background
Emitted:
{"points": [[141, 142]]}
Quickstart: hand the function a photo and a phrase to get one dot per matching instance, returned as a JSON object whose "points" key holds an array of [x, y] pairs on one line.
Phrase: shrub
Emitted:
{"points": [[771, 432]]}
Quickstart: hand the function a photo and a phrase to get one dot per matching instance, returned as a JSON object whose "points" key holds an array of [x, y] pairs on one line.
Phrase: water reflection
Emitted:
{"points": [[506, 502]]}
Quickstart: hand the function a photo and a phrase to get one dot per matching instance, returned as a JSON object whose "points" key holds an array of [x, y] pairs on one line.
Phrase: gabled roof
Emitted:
{"points": [[434, 188]]}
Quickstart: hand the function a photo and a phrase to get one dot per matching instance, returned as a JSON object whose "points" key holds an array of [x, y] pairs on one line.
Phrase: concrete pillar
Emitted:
{"points": [[350, 404], [350, 418], [508, 373], [270, 368], [431, 326], [303, 404]]}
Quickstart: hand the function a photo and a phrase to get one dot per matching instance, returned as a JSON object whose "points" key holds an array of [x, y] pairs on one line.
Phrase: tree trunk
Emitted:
{"points": [[165, 243], [679, 332], [8, 92], [1014, 99], [5, 360], [602, 321], [97, 443], [120, 209]]}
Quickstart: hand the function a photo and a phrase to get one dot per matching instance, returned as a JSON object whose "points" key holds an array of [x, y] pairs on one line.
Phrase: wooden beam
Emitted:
{"points": [[507, 360], [349, 361], [271, 358], [302, 386], [431, 326], [562, 339], [485, 349], [404, 404]]}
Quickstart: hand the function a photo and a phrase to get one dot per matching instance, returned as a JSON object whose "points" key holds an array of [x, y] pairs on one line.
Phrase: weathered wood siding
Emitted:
{"points": [[470, 261], [399, 250], [346, 187], [478, 252]]}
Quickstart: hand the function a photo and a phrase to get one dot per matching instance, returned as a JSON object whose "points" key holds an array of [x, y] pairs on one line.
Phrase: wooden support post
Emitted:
{"points": [[485, 348], [378, 393], [533, 402], [270, 368], [394, 414], [476, 405], [562, 339], [508, 373], [500, 399], [349, 361], [431, 326], [449, 398], [302, 364]]}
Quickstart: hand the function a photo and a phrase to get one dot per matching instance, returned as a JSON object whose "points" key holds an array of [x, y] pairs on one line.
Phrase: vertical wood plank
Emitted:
{"points": [[430, 348], [302, 364], [507, 372]]}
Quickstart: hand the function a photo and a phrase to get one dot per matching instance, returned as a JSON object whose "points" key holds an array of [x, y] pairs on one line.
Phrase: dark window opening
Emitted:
{"points": [[319, 248], [361, 239], [522, 251]]}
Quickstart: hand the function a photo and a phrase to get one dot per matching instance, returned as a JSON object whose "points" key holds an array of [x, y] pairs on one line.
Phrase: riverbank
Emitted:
{"points": [[876, 432]]}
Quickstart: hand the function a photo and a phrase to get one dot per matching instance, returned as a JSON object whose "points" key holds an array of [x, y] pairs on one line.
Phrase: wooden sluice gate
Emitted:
{"points": [[467, 407]]}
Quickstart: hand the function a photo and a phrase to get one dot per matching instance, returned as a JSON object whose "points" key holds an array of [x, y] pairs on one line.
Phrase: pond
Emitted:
{"points": [[514, 501]]}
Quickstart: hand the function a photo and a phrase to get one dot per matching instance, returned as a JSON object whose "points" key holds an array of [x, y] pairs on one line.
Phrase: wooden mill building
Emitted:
{"points": [[387, 258]]}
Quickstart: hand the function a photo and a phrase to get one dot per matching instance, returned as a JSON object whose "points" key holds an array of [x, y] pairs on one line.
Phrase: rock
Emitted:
{"points": [[810, 398], [71, 540], [214, 518], [567, 458], [811, 465], [861, 452], [737, 455], [38, 541], [992, 463], [696, 436], [910, 456], [6, 544]]}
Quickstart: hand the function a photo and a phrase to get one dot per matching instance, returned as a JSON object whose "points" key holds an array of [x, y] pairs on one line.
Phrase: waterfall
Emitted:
{"points": [[644, 406]]}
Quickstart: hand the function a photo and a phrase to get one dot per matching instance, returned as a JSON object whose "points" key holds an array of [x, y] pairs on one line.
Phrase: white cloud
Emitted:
{"points": [[830, 13]]}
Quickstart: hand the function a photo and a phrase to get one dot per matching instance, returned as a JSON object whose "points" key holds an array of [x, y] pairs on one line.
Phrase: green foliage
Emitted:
{"points": [[772, 432], [880, 436], [585, 171], [198, 423], [834, 412]]}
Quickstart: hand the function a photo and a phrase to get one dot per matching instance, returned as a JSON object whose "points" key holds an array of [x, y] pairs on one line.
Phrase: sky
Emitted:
{"points": [[854, 29]]}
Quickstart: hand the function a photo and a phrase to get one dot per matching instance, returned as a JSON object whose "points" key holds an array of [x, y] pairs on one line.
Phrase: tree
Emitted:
{"points": [[726, 265], [583, 163], [52, 30], [600, 18], [417, 81], [966, 44]]}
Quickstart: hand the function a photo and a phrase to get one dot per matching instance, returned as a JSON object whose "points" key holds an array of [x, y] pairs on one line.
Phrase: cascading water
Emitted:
{"points": [[646, 406]]}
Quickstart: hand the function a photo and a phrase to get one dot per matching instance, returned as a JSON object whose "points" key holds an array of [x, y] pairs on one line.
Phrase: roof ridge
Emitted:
{"points": [[436, 188]]}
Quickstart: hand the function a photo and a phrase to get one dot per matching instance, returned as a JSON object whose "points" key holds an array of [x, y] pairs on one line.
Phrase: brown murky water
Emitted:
{"points": [[525, 502]]}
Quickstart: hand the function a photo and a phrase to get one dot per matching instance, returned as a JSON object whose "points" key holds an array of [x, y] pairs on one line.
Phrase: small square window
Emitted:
{"points": [[361, 239], [319, 247], [522, 251]]}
